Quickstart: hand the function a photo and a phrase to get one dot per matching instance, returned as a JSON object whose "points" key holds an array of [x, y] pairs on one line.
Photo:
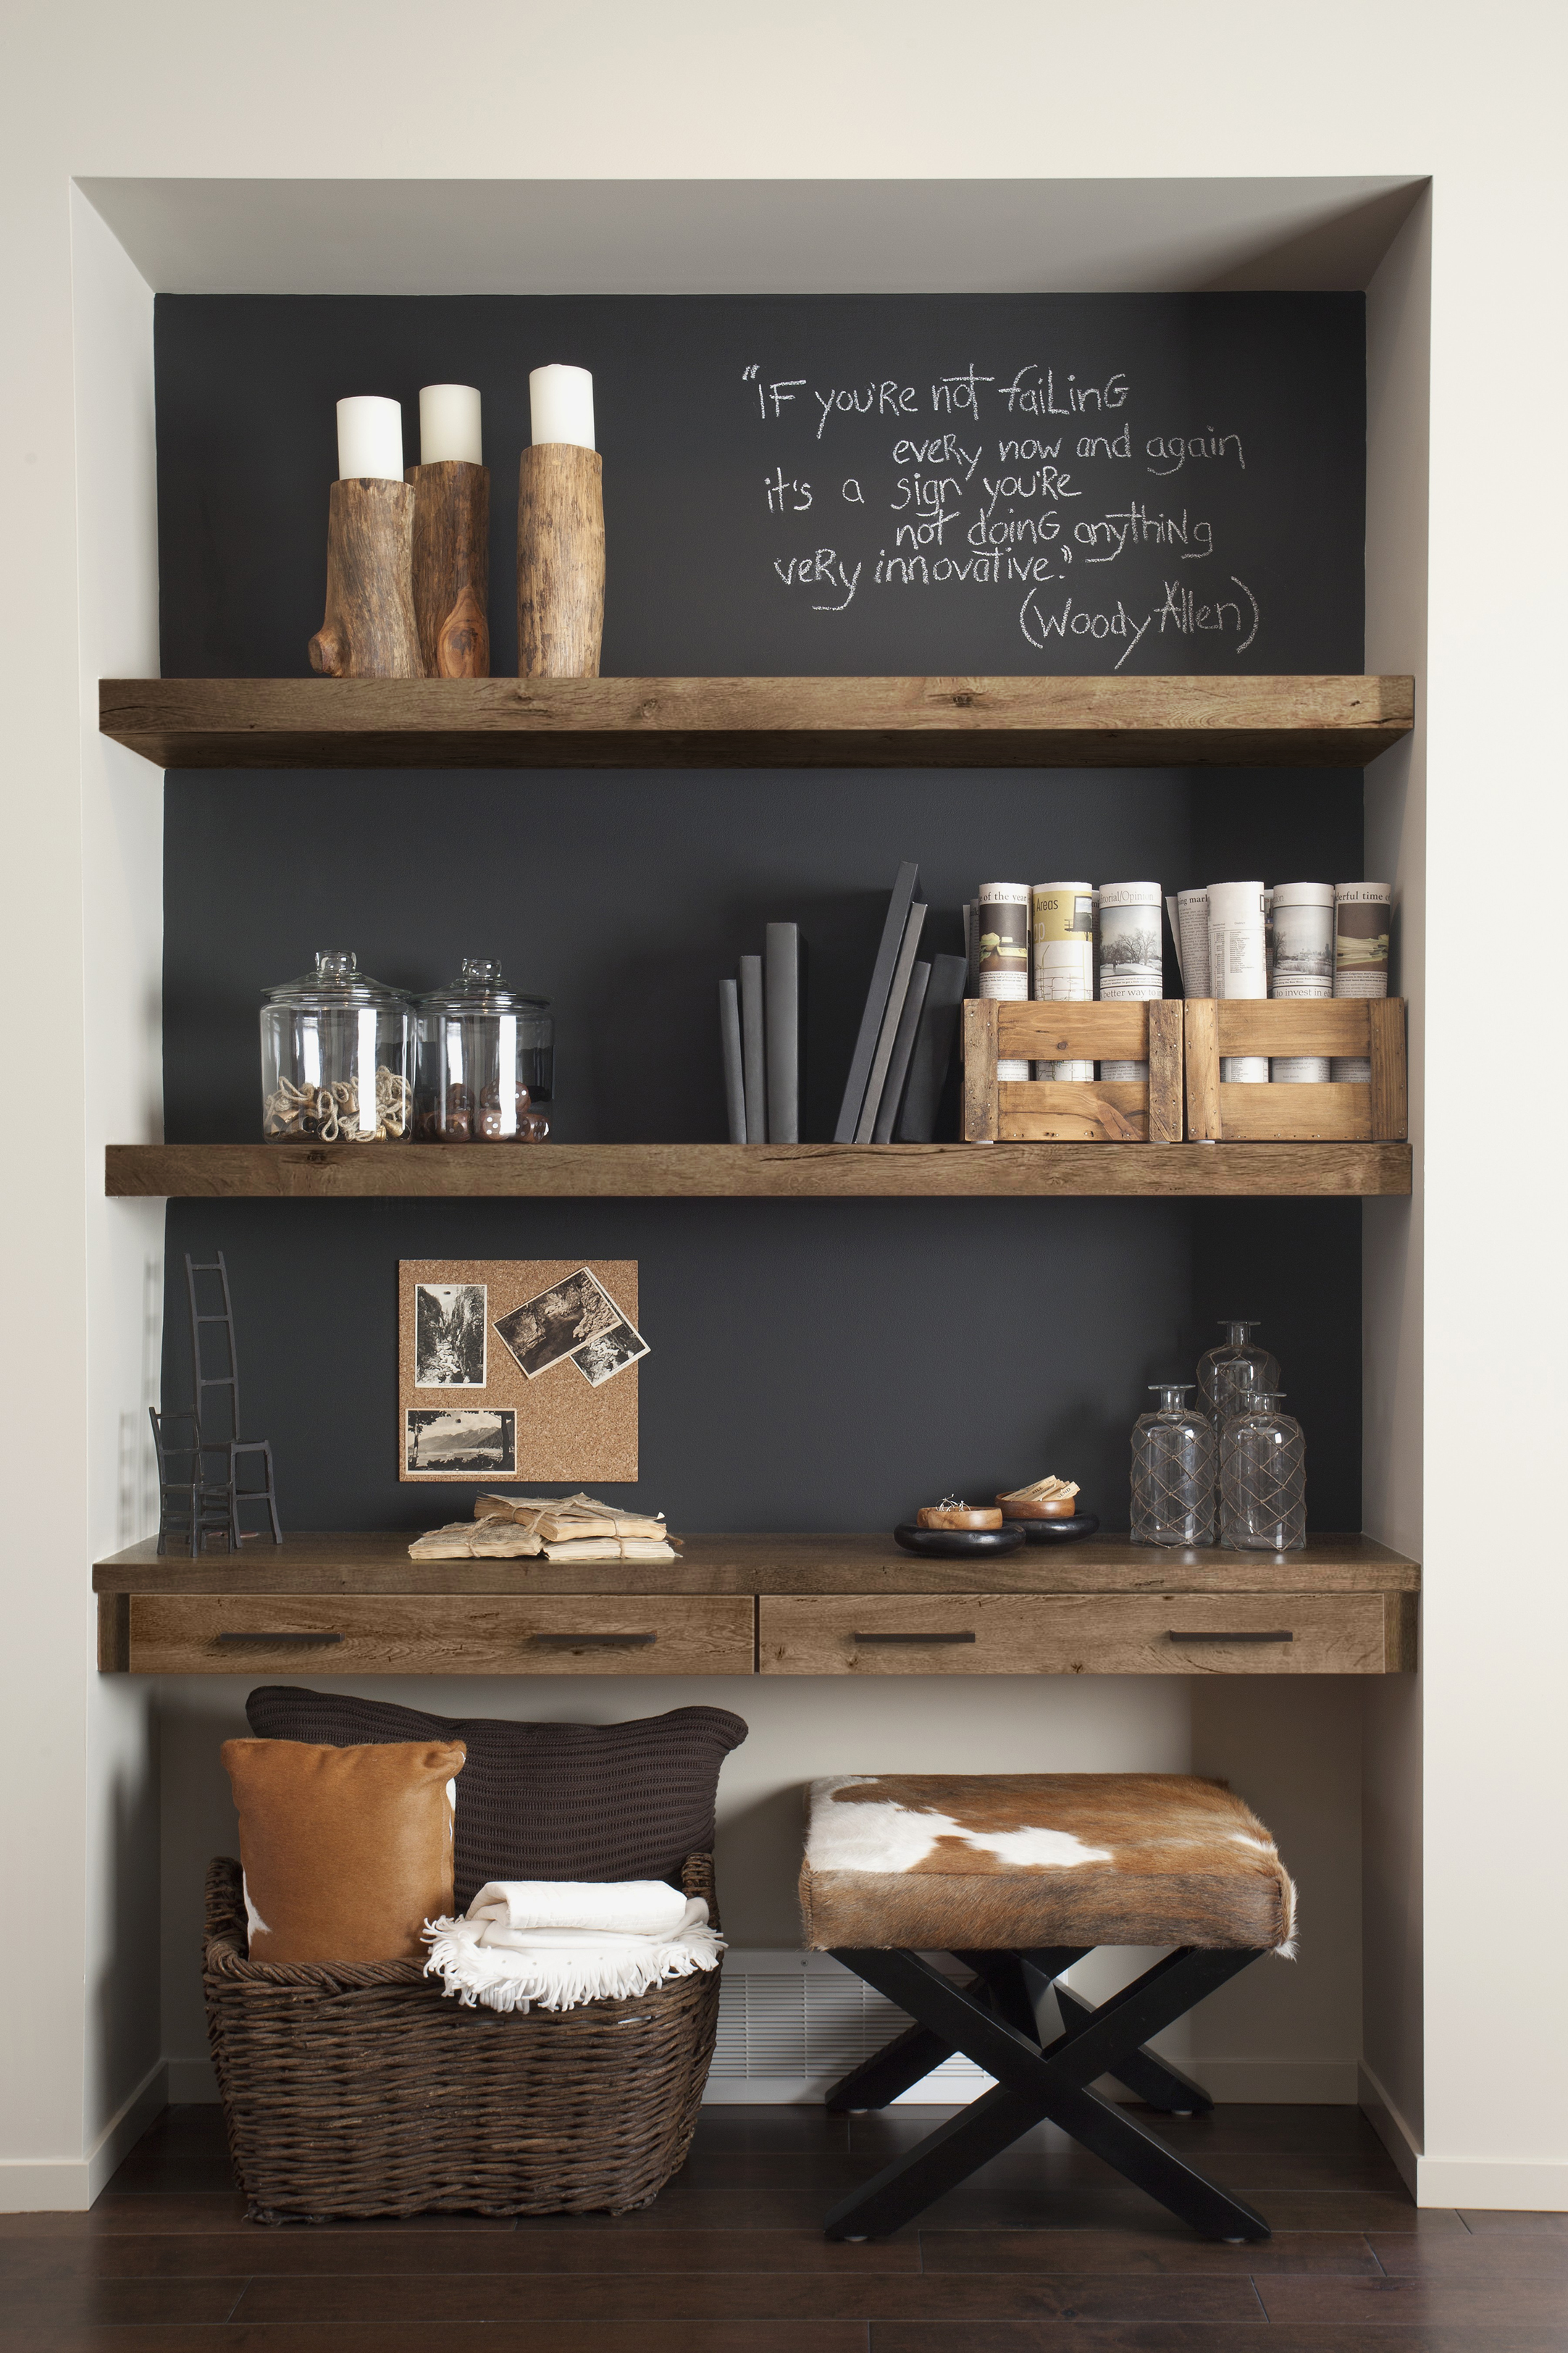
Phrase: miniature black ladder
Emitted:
{"points": [[222, 1387]]}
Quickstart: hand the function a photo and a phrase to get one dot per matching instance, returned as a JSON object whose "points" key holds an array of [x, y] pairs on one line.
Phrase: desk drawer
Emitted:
{"points": [[1075, 1634], [439, 1634]]}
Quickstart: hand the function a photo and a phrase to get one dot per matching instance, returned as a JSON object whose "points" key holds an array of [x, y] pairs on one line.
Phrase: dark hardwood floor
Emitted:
{"points": [[1047, 2248]]}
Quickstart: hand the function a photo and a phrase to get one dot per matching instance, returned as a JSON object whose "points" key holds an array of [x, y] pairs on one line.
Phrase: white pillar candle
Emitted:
{"points": [[450, 424], [561, 402], [370, 439]]}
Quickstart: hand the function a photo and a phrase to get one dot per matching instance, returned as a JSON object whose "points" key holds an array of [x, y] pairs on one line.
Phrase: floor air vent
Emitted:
{"points": [[796, 2021]]}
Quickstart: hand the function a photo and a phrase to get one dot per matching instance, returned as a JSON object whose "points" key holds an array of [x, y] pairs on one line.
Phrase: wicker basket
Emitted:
{"points": [[363, 2089]]}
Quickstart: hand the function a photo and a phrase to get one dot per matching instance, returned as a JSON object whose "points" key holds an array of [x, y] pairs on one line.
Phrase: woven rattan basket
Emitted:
{"points": [[364, 2090]]}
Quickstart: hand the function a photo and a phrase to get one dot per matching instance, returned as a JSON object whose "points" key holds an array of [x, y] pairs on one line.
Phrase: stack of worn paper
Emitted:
{"points": [[576, 1527], [476, 1540], [579, 1527]]}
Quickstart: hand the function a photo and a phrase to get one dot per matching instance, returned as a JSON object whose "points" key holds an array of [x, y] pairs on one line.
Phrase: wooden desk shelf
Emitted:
{"points": [[352, 1604], [315, 1172], [757, 722]]}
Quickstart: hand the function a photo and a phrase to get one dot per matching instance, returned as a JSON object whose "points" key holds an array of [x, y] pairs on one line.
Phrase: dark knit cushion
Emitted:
{"points": [[544, 1800]]}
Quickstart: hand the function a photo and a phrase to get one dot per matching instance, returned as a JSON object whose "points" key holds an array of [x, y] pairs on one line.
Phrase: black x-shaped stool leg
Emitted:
{"points": [[991, 2022]]}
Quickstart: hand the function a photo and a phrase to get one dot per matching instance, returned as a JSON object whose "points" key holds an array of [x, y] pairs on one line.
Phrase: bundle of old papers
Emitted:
{"points": [[576, 1527]]}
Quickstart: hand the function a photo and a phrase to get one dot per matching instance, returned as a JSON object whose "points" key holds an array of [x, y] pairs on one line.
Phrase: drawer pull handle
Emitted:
{"points": [[594, 1642], [915, 1638], [1242, 1634], [297, 1642]]}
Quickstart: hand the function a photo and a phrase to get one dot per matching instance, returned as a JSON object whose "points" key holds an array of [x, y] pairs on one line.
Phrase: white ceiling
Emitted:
{"points": [[751, 237]]}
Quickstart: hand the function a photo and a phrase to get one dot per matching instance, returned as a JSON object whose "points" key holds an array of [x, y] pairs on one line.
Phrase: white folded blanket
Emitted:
{"points": [[561, 1942]]}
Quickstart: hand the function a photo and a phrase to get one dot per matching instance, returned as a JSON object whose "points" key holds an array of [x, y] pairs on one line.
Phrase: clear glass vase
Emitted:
{"points": [[1263, 1479], [1173, 1470], [1235, 1373]]}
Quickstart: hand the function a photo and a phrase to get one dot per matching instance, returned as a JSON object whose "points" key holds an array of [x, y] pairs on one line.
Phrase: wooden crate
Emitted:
{"points": [[1371, 1027], [1072, 1111]]}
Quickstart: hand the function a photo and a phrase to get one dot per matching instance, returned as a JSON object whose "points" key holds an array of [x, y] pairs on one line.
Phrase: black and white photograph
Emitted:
{"points": [[609, 1353], [466, 1443], [1130, 942], [451, 1338], [549, 1328]]}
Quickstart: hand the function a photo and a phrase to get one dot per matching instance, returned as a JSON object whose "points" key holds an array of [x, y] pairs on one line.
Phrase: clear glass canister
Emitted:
{"points": [[485, 1056], [1235, 1372], [1263, 1479], [1173, 1472], [335, 1058]]}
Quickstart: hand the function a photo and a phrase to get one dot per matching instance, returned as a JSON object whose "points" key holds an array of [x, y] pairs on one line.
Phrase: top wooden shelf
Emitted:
{"points": [[757, 722]]}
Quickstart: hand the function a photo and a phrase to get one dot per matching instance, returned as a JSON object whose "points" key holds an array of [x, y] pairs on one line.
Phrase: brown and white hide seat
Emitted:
{"points": [[960, 1861], [1018, 1876]]}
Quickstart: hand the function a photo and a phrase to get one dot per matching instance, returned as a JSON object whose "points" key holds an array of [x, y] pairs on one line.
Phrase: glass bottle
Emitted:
{"points": [[485, 1056], [335, 1057], [1235, 1372], [1173, 1470], [1263, 1479]]}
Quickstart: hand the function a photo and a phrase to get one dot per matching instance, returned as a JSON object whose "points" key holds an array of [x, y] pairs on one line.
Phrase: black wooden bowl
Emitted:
{"points": [[960, 1544], [1050, 1532]]}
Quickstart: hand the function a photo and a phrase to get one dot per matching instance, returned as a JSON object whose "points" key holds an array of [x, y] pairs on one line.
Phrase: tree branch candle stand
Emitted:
{"points": [[451, 567]]}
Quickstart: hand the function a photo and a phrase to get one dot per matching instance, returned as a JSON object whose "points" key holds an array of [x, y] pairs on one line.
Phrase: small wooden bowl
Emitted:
{"points": [[1055, 1507], [958, 1515]]}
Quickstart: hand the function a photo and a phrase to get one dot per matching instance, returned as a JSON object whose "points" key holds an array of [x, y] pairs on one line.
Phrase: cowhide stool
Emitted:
{"points": [[1018, 1875]]}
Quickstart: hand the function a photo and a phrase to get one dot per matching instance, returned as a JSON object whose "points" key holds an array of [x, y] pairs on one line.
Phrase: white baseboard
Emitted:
{"points": [[67, 2185], [1386, 2121], [191, 2083], [1490, 2184]]}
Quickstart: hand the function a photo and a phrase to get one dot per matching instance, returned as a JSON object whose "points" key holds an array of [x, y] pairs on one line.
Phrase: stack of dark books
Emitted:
{"points": [[905, 1050]]}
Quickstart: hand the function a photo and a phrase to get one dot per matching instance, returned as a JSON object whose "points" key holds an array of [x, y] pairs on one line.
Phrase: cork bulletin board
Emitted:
{"points": [[517, 1370]]}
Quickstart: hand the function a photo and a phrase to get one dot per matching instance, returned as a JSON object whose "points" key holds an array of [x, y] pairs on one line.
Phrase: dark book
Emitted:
{"points": [[876, 1005], [935, 1052], [752, 1060], [730, 1047], [783, 987], [903, 1046], [882, 1059]]}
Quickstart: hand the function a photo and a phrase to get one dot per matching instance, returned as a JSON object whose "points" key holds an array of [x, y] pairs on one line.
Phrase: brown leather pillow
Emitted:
{"points": [[346, 1852]]}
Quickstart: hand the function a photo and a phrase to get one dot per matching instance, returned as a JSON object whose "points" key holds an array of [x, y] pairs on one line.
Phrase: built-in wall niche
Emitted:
{"points": [[812, 1363]]}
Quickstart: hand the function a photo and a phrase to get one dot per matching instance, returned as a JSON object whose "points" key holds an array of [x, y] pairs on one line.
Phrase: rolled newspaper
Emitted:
{"points": [[1301, 964], [1003, 919], [1189, 913], [1131, 967], [1362, 918], [1062, 917], [1237, 965]]}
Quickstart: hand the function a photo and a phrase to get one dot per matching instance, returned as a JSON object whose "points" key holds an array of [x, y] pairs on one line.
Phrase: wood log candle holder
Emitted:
{"points": [[369, 629], [452, 568], [560, 561]]}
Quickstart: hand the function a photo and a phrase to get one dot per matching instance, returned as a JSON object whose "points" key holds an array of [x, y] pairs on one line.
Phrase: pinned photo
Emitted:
{"points": [[609, 1353], [450, 1339], [560, 1322], [469, 1442]]}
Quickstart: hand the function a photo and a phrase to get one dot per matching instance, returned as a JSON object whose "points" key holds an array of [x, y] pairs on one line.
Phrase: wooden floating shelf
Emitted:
{"points": [[747, 1605], [757, 722], [744, 1171]]}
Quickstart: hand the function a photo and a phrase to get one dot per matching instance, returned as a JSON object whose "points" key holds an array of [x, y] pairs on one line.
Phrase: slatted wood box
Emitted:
{"points": [[1370, 1028], [1072, 1111]]}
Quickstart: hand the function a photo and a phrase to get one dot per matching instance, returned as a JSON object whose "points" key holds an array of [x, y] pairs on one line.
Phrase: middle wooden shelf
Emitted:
{"points": [[747, 1171]]}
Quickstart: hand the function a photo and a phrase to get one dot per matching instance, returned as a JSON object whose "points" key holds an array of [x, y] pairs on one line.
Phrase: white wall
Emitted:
{"points": [[840, 91]]}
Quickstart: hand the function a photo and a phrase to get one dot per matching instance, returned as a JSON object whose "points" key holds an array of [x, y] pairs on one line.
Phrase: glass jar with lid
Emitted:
{"points": [[1263, 1479], [1235, 1372], [1173, 1470], [335, 1057], [484, 1055]]}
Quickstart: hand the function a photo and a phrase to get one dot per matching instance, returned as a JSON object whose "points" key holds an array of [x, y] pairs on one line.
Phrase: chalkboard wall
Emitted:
{"points": [[814, 1364]]}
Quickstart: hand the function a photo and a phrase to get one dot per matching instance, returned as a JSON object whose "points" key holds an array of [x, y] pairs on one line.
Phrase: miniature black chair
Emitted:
{"points": [[216, 1400], [190, 1507], [1018, 1876]]}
